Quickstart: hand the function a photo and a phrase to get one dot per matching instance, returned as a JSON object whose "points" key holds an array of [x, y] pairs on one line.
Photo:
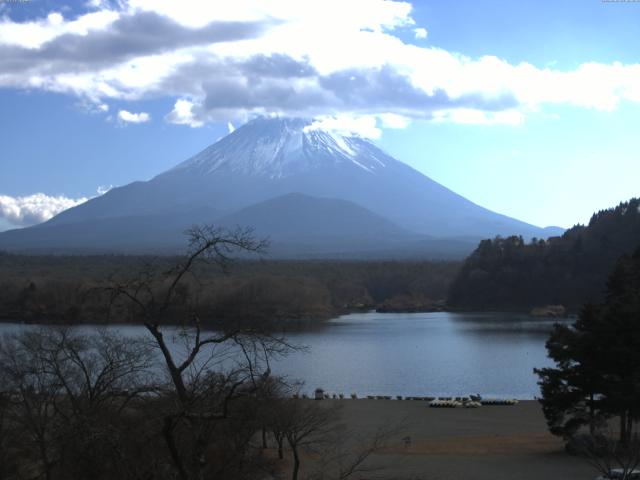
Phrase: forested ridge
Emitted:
{"points": [[70, 289], [511, 274]]}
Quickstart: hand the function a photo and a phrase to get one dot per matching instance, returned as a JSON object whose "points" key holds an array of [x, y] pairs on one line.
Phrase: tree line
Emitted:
{"points": [[69, 289], [512, 274]]}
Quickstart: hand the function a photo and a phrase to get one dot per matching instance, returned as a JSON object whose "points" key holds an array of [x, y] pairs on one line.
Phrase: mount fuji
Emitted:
{"points": [[312, 191]]}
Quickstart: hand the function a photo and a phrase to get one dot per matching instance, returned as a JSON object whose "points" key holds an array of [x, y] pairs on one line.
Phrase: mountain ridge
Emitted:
{"points": [[271, 157]]}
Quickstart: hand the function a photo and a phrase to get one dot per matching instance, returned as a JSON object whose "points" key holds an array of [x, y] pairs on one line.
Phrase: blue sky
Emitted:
{"points": [[528, 108]]}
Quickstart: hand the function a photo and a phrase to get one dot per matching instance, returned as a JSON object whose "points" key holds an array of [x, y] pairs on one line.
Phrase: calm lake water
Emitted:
{"points": [[420, 354]]}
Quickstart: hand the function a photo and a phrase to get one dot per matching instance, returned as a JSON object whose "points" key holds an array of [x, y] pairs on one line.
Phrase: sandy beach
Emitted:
{"points": [[491, 442]]}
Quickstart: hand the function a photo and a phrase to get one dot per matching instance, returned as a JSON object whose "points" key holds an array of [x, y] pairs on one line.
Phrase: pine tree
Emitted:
{"points": [[597, 373]]}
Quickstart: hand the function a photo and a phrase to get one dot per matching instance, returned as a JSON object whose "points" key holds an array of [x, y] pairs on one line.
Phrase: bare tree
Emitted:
{"points": [[33, 393], [275, 411], [7, 457], [314, 429], [64, 391], [349, 454], [306, 425], [603, 450], [205, 389]]}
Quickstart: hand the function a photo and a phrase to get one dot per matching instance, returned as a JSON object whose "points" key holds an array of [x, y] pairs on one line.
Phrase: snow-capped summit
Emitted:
{"points": [[280, 147]]}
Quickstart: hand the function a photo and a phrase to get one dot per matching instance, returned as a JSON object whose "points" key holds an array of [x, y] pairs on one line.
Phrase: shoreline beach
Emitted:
{"points": [[486, 443]]}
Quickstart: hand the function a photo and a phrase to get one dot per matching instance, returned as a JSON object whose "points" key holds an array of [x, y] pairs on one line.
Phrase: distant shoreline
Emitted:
{"points": [[296, 325]]}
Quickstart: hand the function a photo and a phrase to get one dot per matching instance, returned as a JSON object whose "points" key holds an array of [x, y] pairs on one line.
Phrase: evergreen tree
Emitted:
{"points": [[507, 273], [597, 373], [621, 333], [570, 392]]}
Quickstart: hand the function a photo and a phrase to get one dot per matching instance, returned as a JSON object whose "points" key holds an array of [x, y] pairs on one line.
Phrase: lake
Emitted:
{"points": [[418, 354]]}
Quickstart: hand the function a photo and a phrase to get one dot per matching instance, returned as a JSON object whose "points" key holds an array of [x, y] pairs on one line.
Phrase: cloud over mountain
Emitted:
{"points": [[36, 208], [230, 61]]}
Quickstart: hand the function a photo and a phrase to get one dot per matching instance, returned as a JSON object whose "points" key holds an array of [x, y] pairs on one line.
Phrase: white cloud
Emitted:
{"points": [[367, 126], [39, 207], [364, 14], [102, 189], [276, 57], [34, 34], [230, 127], [420, 33], [392, 120], [128, 117], [36, 208], [182, 114], [364, 126], [468, 116]]}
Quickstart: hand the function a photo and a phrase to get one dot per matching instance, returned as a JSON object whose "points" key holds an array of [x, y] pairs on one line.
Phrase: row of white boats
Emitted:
{"points": [[471, 401], [468, 403]]}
